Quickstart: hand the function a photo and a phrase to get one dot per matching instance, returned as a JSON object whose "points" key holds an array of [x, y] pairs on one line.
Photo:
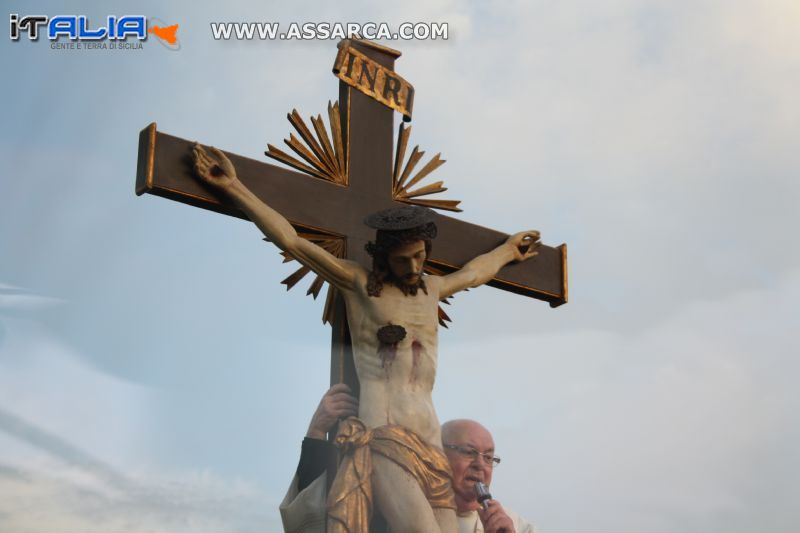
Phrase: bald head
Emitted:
{"points": [[454, 431], [467, 470]]}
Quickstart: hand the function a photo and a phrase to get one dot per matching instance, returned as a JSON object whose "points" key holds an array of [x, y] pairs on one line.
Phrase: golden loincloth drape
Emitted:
{"points": [[350, 496]]}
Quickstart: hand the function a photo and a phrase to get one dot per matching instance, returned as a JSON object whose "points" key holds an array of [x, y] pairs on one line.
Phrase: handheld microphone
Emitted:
{"points": [[483, 494]]}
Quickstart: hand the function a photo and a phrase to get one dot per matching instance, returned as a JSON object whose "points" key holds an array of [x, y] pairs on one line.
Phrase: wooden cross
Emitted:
{"points": [[342, 177]]}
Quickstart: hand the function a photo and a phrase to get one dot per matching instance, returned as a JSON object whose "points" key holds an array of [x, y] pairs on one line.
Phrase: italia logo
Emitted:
{"points": [[77, 28]]}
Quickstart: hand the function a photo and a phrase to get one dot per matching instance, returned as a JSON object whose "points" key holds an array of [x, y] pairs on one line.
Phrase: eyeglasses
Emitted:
{"points": [[467, 451]]}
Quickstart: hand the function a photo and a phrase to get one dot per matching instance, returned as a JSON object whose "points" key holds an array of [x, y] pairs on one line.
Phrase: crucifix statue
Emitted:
{"points": [[360, 226]]}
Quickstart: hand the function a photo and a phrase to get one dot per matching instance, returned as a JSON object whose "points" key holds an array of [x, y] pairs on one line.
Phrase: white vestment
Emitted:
{"points": [[305, 512]]}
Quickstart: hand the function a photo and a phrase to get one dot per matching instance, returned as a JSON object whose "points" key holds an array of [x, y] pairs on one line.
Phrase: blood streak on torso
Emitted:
{"points": [[416, 352]]}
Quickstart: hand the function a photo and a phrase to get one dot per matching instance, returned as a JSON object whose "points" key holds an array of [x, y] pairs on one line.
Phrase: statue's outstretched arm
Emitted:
{"points": [[214, 168], [518, 247]]}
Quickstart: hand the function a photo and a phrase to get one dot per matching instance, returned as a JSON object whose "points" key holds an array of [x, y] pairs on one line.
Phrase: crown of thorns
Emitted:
{"points": [[386, 240], [400, 218], [400, 225]]}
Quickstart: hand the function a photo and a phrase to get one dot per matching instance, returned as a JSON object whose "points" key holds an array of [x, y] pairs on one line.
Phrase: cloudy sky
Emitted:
{"points": [[155, 376]]}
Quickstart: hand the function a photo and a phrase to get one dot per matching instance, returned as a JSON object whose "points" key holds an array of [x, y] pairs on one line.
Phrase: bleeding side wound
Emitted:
{"points": [[388, 338]]}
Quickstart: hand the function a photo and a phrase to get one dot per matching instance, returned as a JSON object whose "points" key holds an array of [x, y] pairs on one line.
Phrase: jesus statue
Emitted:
{"points": [[392, 453]]}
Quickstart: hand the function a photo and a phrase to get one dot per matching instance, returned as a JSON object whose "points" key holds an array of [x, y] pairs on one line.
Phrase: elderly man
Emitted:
{"points": [[469, 448]]}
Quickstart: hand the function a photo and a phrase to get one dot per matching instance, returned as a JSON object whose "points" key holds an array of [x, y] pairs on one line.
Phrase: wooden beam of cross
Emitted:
{"points": [[343, 176]]}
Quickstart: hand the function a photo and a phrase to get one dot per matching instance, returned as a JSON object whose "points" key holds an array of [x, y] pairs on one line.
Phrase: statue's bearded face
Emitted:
{"points": [[406, 261]]}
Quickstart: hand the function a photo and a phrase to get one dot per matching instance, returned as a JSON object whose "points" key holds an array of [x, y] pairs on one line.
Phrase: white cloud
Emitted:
{"points": [[74, 453], [53, 499], [693, 421], [17, 299], [655, 138], [43, 380]]}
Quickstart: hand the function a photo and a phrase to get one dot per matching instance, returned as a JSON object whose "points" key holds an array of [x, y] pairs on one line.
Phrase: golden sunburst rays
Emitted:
{"points": [[402, 182], [335, 245], [323, 155]]}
